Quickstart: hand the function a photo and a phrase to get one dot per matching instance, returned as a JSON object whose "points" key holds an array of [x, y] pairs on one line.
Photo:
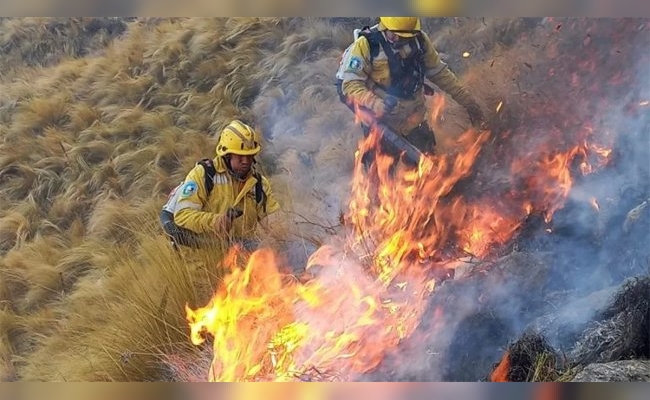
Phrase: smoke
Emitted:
{"points": [[556, 84], [310, 136]]}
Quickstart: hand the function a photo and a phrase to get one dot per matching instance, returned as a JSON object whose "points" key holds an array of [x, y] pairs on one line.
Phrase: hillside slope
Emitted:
{"points": [[100, 118]]}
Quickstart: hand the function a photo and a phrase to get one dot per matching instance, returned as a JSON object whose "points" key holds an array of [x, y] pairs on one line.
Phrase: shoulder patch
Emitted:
{"points": [[354, 64], [189, 188]]}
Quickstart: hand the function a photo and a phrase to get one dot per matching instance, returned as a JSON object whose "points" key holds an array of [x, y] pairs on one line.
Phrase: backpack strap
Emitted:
{"points": [[210, 172], [406, 75], [260, 196], [374, 40]]}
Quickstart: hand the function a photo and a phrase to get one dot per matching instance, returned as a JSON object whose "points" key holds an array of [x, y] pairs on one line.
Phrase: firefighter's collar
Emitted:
{"points": [[220, 167]]}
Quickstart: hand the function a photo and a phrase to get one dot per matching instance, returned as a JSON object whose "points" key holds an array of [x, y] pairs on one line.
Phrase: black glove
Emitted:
{"points": [[429, 90], [390, 103], [476, 116], [233, 213]]}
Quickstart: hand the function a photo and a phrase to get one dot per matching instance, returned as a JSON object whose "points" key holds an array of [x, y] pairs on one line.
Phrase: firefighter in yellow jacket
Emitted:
{"points": [[224, 197], [383, 71]]}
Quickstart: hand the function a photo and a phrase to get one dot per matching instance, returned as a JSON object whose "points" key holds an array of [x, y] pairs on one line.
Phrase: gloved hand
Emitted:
{"points": [[381, 107], [223, 222], [390, 104], [458, 92], [476, 116], [233, 213], [429, 90]]}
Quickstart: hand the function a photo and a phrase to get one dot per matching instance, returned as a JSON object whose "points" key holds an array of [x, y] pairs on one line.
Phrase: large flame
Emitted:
{"points": [[268, 326]]}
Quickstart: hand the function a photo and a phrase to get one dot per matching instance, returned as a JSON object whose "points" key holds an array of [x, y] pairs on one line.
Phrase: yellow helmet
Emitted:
{"points": [[238, 138], [402, 26]]}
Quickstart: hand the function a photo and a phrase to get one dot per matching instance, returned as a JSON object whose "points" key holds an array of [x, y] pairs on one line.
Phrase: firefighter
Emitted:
{"points": [[224, 197], [384, 70]]}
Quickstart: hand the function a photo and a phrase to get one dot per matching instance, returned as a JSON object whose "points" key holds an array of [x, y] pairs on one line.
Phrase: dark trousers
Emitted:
{"points": [[184, 237], [423, 138], [178, 235]]}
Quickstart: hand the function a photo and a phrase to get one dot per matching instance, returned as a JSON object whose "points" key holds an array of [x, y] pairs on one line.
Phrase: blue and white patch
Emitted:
{"points": [[189, 188], [354, 64]]}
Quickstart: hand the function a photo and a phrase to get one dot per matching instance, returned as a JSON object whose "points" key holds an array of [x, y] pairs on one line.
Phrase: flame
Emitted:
{"points": [[410, 220], [601, 151], [547, 175], [500, 372], [436, 104], [267, 327], [367, 291]]}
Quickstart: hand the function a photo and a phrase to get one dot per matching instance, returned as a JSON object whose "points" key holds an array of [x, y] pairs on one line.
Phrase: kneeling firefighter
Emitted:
{"points": [[222, 198]]}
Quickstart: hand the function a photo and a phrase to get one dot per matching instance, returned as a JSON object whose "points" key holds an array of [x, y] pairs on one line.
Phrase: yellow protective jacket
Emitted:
{"points": [[360, 74], [194, 210]]}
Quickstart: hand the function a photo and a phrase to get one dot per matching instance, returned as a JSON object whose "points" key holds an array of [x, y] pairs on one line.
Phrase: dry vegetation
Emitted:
{"points": [[101, 117]]}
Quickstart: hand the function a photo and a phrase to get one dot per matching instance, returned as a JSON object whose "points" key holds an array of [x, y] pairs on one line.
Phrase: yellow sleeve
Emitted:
{"points": [[439, 73], [354, 71], [272, 204], [188, 212]]}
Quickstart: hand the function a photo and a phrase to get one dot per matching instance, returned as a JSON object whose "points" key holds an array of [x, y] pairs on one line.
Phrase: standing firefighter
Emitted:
{"points": [[222, 198], [383, 71]]}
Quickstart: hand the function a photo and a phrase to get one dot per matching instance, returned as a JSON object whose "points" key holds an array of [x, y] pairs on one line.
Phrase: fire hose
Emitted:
{"points": [[390, 141], [393, 143]]}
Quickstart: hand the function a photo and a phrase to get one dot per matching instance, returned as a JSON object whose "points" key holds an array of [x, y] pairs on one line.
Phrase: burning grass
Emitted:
{"points": [[529, 359], [93, 139]]}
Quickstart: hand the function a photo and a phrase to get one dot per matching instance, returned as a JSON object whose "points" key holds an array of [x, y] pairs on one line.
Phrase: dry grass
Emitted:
{"points": [[124, 311], [31, 42], [546, 370], [99, 119]]}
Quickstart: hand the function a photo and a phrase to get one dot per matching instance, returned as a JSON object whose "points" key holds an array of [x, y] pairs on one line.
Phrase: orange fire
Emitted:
{"points": [[436, 106], [549, 173], [267, 326], [368, 291], [500, 373]]}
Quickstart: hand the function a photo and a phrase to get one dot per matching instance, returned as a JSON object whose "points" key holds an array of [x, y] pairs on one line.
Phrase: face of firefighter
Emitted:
{"points": [[241, 165], [397, 42]]}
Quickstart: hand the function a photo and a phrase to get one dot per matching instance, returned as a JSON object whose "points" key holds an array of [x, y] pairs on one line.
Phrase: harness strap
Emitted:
{"points": [[406, 75], [211, 171]]}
